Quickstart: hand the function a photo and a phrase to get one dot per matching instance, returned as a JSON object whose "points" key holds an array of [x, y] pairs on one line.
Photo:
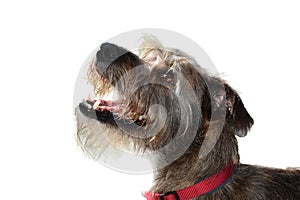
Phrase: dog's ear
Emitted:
{"points": [[238, 119]]}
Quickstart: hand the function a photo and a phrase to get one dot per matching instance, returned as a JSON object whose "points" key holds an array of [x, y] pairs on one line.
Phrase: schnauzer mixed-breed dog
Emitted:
{"points": [[164, 102]]}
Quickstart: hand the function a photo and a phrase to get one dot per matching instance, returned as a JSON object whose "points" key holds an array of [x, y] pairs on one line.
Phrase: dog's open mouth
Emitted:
{"points": [[101, 110], [111, 112]]}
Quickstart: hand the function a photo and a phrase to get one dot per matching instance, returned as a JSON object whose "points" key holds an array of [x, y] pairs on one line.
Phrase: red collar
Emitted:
{"points": [[201, 187]]}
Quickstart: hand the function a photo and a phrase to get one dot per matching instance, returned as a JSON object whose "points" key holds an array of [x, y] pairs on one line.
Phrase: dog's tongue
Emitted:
{"points": [[103, 105]]}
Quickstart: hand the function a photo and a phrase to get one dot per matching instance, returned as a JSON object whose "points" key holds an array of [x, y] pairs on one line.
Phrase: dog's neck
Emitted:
{"points": [[191, 167]]}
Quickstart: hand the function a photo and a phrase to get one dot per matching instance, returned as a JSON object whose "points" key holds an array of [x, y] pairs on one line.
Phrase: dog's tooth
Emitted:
{"points": [[153, 138], [96, 104], [142, 117]]}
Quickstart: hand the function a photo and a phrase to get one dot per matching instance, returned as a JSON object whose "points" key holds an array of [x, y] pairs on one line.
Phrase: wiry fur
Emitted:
{"points": [[199, 115]]}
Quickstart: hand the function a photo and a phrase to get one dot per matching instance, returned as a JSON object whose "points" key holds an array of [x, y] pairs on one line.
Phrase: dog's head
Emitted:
{"points": [[152, 100]]}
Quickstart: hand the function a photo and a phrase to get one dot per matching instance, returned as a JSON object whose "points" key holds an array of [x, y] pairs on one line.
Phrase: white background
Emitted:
{"points": [[43, 45]]}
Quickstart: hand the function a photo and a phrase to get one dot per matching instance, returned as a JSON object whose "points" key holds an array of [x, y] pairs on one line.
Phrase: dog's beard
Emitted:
{"points": [[93, 137]]}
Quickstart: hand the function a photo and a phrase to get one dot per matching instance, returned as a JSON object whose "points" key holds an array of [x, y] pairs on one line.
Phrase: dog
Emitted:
{"points": [[165, 103]]}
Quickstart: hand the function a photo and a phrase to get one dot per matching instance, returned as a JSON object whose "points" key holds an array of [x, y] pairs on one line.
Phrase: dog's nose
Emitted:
{"points": [[109, 52]]}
